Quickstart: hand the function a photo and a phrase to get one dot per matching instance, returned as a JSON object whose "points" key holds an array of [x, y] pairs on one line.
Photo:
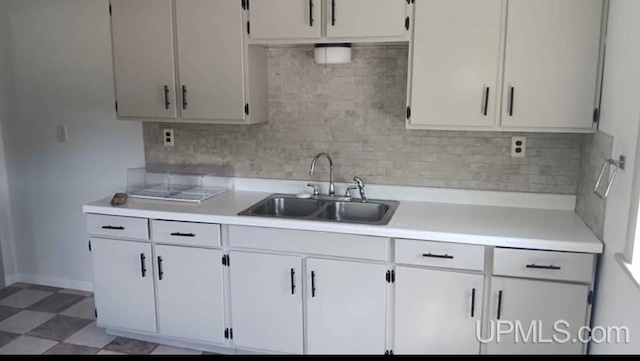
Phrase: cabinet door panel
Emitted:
{"points": [[527, 301], [124, 295], [286, 19], [346, 311], [210, 59], [190, 303], [366, 18], [551, 63], [266, 312], [455, 76], [143, 56], [437, 311]]}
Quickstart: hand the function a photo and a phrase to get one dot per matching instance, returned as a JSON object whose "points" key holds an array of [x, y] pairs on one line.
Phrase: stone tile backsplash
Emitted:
{"points": [[355, 112]]}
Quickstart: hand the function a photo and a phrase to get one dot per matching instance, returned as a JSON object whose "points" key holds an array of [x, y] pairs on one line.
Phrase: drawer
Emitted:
{"points": [[118, 227], [308, 242], [550, 265], [185, 233], [440, 254]]}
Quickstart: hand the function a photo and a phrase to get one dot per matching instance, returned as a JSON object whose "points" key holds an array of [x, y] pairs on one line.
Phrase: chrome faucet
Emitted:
{"points": [[360, 182], [332, 186]]}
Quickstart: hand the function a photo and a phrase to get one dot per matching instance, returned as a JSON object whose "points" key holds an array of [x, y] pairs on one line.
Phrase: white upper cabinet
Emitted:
{"points": [[210, 59], [143, 52], [437, 311], [456, 53], [542, 304], [365, 18], [346, 304], [551, 68], [286, 19]]}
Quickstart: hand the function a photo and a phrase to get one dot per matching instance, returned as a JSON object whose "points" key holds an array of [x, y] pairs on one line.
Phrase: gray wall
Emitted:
{"points": [[62, 74], [596, 149], [6, 254], [356, 112]]}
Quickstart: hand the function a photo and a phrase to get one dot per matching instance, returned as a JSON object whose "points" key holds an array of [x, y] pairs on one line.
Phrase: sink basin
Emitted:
{"points": [[354, 212], [286, 207], [374, 212]]}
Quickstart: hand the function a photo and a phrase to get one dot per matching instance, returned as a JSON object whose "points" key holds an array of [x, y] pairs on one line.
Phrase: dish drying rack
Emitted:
{"points": [[180, 184]]}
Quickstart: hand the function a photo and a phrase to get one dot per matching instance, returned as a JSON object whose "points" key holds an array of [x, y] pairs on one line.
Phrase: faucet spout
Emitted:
{"points": [[312, 169]]}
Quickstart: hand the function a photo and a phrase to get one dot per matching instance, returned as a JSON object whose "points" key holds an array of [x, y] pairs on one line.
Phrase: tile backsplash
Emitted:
{"points": [[356, 113]]}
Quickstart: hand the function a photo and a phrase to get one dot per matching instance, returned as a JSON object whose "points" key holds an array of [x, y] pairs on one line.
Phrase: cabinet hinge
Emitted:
{"points": [[388, 353], [228, 333], [89, 246], [95, 312], [225, 260], [407, 23], [391, 276], [408, 112], [248, 27], [590, 298], [246, 109], [596, 115]]}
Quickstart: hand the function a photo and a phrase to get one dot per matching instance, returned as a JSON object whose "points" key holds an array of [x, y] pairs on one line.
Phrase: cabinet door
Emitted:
{"points": [[266, 302], [366, 18], [143, 56], [286, 19], [551, 63], [123, 284], [455, 76], [346, 304], [190, 303], [437, 312], [539, 302], [210, 59]]}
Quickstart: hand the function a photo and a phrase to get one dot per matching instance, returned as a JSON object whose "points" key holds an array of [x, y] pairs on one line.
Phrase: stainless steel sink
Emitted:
{"points": [[374, 212]]}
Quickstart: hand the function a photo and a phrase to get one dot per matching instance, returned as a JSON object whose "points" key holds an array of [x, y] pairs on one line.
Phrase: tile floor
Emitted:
{"points": [[47, 320]]}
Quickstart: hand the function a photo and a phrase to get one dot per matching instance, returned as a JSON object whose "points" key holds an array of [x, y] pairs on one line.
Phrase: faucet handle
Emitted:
{"points": [[360, 187], [316, 188], [347, 193]]}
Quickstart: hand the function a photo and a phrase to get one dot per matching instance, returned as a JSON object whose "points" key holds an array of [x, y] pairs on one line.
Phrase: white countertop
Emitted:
{"points": [[544, 229]]}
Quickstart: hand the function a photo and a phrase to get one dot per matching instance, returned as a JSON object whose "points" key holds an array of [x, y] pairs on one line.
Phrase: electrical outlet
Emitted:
{"points": [[518, 147], [63, 134], [169, 139]]}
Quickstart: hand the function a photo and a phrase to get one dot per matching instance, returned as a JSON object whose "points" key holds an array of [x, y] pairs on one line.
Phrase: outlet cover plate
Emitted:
{"points": [[168, 137], [518, 147]]}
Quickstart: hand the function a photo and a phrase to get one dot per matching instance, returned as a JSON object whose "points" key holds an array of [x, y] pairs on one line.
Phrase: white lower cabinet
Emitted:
{"points": [[189, 292], [346, 307], [123, 284], [266, 302], [536, 306], [437, 312]]}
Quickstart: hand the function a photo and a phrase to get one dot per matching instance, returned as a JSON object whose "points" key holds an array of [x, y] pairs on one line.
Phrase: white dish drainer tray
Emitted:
{"points": [[171, 183]]}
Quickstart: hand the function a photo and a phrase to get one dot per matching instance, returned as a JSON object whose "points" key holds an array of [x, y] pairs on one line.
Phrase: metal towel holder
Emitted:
{"points": [[618, 164]]}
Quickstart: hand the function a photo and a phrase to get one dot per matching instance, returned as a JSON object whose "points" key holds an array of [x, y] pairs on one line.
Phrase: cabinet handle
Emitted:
{"points": [[184, 97], [311, 13], [143, 265], [182, 234], [113, 228], [313, 284], [333, 12], [550, 267], [485, 101], [473, 303], [160, 271], [293, 282], [166, 97], [512, 95], [499, 304], [430, 255]]}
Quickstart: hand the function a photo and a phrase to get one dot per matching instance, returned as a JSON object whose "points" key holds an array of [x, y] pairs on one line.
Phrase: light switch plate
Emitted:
{"points": [[63, 134], [169, 138], [518, 147]]}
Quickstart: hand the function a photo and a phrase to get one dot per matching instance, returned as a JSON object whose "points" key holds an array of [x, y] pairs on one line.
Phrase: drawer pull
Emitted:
{"points": [[430, 255], [473, 303], [183, 235], [313, 284], [535, 266], [160, 271], [143, 265], [113, 228], [499, 304], [293, 282]]}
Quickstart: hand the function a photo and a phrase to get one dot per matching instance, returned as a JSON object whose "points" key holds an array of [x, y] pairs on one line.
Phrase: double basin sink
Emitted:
{"points": [[374, 212]]}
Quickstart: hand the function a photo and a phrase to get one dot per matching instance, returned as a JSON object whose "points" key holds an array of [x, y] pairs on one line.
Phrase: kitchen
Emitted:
{"points": [[479, 151]]}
